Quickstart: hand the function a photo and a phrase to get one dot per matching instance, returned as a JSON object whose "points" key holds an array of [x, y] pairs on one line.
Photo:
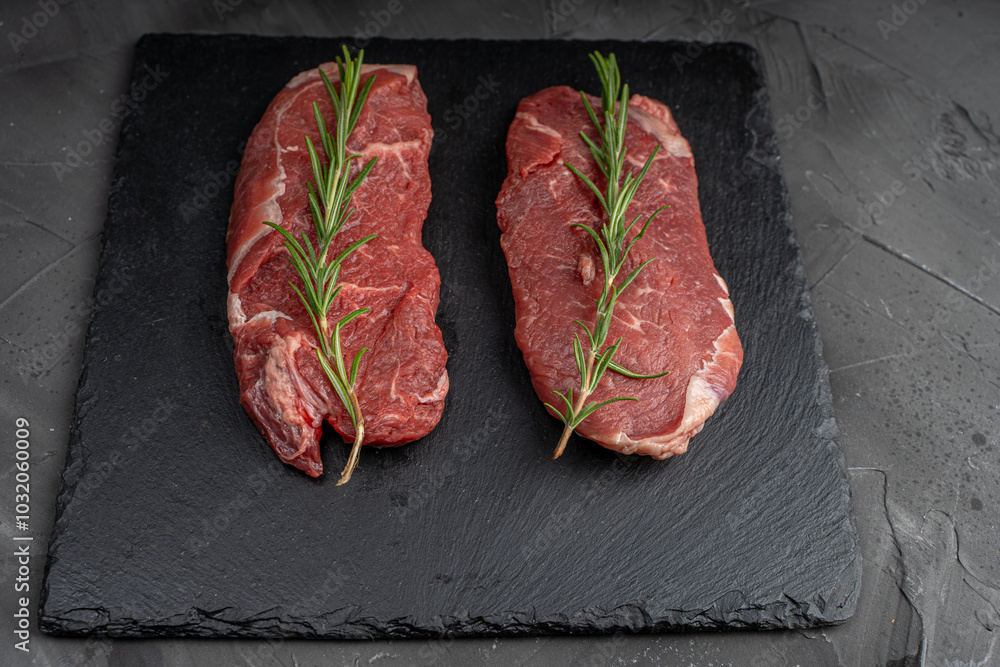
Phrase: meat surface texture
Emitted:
{"points": [[402, 381], [676, 316]]}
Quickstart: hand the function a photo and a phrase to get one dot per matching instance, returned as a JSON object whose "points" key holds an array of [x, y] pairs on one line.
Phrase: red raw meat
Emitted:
{"points": [[402, 381], [676, 316]]}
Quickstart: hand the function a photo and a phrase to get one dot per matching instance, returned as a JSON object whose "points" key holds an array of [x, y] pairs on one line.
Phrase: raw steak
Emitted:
{"points": [[402, 381], [676, 316]]}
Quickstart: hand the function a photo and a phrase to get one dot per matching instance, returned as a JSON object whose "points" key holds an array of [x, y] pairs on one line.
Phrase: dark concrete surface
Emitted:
{"points": [[883, 112]]}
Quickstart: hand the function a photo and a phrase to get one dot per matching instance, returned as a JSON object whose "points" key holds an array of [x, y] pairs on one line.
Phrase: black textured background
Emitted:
{"points": [[174, 518]]}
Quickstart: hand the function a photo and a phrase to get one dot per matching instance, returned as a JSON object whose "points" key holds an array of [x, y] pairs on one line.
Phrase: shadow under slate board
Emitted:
{"points": [[176, 519]]}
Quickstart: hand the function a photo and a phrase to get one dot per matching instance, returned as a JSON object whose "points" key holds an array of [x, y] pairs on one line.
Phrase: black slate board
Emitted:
{"points": [[175, 518]]}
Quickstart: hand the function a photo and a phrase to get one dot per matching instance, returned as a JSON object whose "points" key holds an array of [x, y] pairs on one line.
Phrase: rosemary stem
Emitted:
{"points": [[329, 202], [324, 337], [611, 239], [335, 206], [568, 429], [591, 357], [359, 437], [561, 446]]}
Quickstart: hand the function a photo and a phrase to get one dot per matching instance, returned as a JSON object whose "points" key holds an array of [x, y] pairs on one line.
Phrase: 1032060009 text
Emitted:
{"points": [[22, 542]]}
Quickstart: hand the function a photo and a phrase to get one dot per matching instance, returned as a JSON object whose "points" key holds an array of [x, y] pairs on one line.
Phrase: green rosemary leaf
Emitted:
{"points": [[311, 299], [632, 185], [617, 212], [329, 87], [335, 341], [623, 118], [338, 359], [338, 386], [327, 281], [330, 296], [602, 72], [344, 215], [314, 207], [589, 184], [354, 246], [362, 175], [356, 363], [590, 336], [324, 136], [311, 255], [642, 232], [569, 410], [596, 152], [630, 225], [605, 316], [601, 247], [650, 218], [294, 248], [362, 96], [303, 299], [327, 274], [601, 365], [331, 93], [581, 362], [346, 319], [621, 370], [632, 276], [590, 110], [594, 407], [317, 168]]}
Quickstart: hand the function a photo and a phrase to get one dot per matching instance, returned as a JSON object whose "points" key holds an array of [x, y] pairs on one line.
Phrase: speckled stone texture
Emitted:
{"points": [[175, 519]]}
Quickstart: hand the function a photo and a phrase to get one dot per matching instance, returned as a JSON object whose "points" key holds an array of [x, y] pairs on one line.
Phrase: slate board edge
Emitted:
{"points": [[70, 475], [760, 123], [628, 618]]}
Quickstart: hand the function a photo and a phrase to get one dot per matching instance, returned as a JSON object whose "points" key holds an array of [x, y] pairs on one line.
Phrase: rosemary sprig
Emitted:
{"points": [[593, 363], [330, 203]]}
